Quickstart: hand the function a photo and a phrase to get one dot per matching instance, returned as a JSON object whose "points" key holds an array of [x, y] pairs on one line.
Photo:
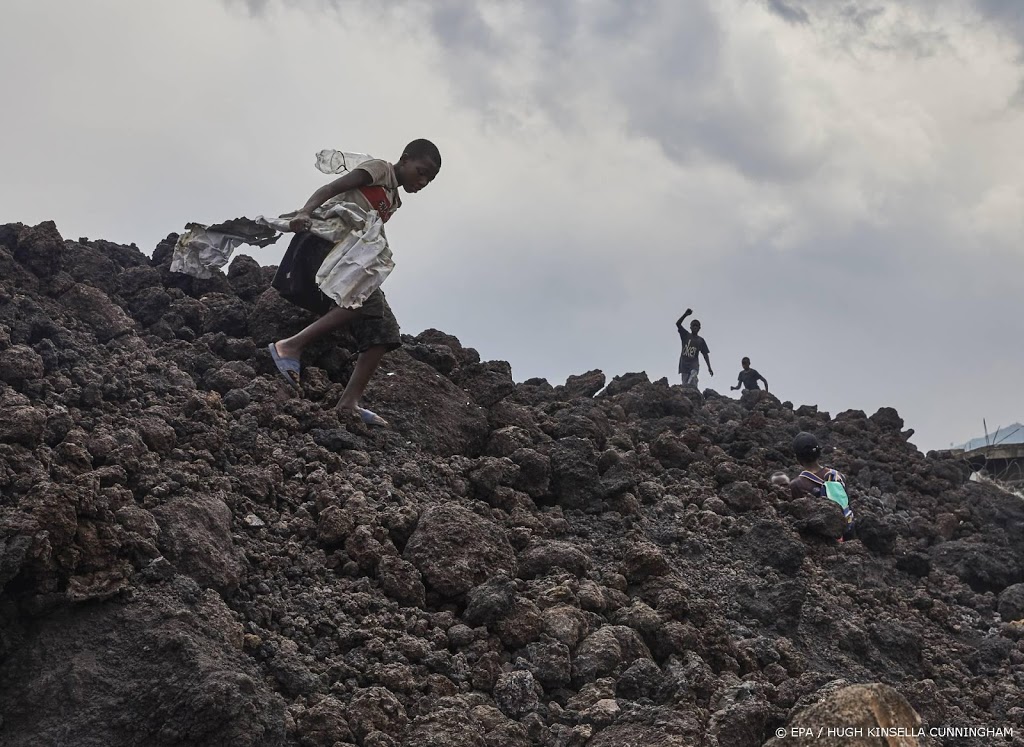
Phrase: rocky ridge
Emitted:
{"points": [[191, 555]]}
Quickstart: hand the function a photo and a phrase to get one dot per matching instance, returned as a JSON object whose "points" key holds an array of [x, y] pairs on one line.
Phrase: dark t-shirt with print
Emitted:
{"points": [[749, 378], [693, 345]]}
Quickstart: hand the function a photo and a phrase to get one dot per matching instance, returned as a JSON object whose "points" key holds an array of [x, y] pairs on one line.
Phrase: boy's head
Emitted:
{"points": [[745, 363], [419, 164], [695, 326], [806, 448]]}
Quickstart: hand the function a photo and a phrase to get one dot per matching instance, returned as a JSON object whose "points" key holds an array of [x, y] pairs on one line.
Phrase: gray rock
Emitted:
{"points": [[550, 663], [490, 601], [516, 693], [1011, 603]]}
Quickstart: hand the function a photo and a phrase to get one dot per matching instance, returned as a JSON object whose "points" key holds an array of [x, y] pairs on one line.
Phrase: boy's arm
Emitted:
{"points": [[739, 380], [679, 321], [707, 360], [352, 180], [762, 378]]}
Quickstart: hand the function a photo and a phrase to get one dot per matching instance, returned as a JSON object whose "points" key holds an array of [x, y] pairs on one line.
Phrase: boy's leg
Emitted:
{"points": [[292, 347], [366, 364], [376, 332]]}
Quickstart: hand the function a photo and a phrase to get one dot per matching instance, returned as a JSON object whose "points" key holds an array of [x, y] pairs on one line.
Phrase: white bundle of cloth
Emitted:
{"points": [[354, 268], [202, 249]]}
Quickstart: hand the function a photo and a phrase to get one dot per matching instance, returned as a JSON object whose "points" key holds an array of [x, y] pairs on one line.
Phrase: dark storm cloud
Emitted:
{"points": [[1009, 12], [1009, 17], [656, 65], [459, 26], [788, 12]]}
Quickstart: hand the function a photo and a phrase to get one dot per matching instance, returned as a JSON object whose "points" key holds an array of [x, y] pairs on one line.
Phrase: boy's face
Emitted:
{"points": [[415, 173], [695, 326], [745, 363]]}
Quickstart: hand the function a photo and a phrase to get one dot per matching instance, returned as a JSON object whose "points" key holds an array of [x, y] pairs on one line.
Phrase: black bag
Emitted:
{"points": [[296, 275]]}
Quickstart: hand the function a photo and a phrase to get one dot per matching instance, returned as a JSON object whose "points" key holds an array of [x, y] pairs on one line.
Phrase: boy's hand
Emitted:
{"points": [[710, 371], [687, 312], [301, 222]]}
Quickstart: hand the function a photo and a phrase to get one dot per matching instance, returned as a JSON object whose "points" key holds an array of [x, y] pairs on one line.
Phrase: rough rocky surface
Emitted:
{"points": [[190, 554]]}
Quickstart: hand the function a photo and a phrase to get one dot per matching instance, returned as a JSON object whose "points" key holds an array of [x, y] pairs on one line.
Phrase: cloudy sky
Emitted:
{"points": [[836, 187]]}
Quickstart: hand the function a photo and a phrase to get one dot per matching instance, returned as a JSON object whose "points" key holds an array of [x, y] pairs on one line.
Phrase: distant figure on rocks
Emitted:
{"points": [[693, 344], [821, 482], [372, 185], [749, 377]]}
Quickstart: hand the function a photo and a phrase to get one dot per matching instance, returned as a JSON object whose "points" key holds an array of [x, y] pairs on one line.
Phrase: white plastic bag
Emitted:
{"points": [[338, 161]]}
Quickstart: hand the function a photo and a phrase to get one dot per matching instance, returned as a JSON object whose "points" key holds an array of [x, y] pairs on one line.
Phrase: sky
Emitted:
{"points": [[835, 187]]}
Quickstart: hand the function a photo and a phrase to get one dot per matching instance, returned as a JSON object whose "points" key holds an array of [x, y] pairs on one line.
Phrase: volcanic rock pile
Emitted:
{"points": [[190, 554]]}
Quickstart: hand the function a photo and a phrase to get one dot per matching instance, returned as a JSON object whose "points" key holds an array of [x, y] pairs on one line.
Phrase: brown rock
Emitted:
{"points": [[23, 425], [456, 549], [40, 249], [644, 560], [157, 434], [564, 623], [104, 319], [854, 710], [521, 626], [324, 725], [334, 525], [376, 709], [401, 581], [541, 557], [20, 363], [195, 534]]}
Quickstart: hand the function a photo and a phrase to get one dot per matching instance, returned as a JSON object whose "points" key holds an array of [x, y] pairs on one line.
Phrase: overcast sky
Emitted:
{"points": [[836, 187]]}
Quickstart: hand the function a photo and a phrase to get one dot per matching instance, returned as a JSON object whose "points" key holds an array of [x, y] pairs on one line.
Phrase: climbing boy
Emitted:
{"points": [[693, 344], [371, 186], [749, 377], [821, 482]]}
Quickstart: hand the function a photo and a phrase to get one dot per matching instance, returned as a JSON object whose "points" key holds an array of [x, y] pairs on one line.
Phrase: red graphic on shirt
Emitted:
{"points": [[378, 199]]}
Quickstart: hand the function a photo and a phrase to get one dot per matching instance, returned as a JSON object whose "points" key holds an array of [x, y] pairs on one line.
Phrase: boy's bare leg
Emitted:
{"points": [[366, 364], [292, 347]]}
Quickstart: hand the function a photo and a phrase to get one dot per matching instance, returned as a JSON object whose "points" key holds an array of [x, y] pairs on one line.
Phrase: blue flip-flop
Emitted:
{"points": [[286, 366], [371, 418]]}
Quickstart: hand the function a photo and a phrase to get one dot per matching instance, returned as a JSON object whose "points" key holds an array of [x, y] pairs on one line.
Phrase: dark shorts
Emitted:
{"points": [[296, 281], [376, 324]]}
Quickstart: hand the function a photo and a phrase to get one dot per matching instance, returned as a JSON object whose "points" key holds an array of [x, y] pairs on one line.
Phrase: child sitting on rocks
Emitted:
{"points": [[821, 482]]}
